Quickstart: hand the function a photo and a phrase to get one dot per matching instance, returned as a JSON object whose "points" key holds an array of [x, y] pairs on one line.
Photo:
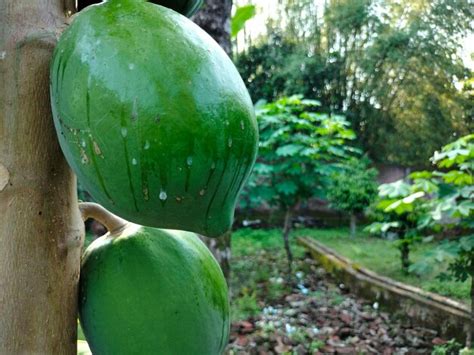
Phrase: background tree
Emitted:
{"points": [[353, 189], [391, 67], [41, 231], [297, 151]]}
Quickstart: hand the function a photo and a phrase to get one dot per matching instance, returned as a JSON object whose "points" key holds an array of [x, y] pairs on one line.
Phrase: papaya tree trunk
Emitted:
{"points": [[41, 231], [286, 239], [353, 225], [214, 18]]}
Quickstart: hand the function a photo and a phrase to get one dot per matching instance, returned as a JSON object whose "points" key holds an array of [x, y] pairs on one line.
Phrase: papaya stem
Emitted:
{"points": [[113, 223]]}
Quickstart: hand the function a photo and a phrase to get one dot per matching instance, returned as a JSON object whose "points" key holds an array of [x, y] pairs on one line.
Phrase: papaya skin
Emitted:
{"points": [[151, 291], [152, 116], [184, 7]]}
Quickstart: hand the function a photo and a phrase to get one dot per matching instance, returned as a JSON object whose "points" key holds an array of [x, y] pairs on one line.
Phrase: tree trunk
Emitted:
{"points": [[353, 225], [405, 256], [221, 249], [214, 18], [286, 239], [41, 231]]}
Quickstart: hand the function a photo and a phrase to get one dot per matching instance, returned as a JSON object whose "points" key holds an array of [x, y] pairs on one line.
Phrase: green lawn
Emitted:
{"points": [[379, 255]]}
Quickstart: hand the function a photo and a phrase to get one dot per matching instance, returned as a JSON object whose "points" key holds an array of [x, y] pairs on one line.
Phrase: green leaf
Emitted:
{"points": [[286, 187], [395, 189], [289, 150], [241, 16]]}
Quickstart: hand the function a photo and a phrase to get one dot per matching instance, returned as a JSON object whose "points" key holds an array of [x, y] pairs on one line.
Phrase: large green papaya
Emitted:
{"points": [[185, 7], [151, 291], [152, 116]]}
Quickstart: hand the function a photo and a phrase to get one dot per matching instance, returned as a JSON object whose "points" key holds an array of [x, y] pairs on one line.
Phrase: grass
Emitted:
{"points": [[376, 254], [381, 256]]}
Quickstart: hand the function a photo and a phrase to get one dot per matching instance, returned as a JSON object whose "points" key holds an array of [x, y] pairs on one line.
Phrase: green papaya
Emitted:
{"points": [[152, 116], [184, 7], [151, 291]]}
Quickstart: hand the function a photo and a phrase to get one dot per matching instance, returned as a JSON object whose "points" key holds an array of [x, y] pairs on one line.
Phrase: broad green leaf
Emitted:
{"points": [[289, 150], [241, 16], [286, 187]]}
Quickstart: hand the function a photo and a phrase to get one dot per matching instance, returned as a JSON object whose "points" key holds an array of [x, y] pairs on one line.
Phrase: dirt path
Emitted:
{"points": [[317, 316]]}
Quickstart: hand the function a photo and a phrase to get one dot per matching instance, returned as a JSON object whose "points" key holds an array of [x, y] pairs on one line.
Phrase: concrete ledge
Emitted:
{"points": [[448, 317]]}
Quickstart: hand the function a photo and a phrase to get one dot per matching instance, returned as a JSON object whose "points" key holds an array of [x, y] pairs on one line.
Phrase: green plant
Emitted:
{"points": [[452, 347], [297, 153], [403, 207], [152, 116], [316, 345], [245, 305], [162, 286], [241, 16], [353, 189], [454, 208]]}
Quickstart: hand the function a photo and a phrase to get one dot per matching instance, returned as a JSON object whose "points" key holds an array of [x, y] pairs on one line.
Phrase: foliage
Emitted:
{"points": [[452, 347], [297, 153], [390, 66], [454, 207], [241, 16], [403, 208], [354, 187]]}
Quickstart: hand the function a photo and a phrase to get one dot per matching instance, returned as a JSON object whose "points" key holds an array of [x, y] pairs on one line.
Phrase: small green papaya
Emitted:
{"points": [[152, 116], [151, 291]]}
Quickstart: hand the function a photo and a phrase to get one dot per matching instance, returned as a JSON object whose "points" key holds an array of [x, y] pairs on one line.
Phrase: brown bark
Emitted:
{"points": [[286, 239], [221, 249], [405, 257], [214, 18], [41, 231]]}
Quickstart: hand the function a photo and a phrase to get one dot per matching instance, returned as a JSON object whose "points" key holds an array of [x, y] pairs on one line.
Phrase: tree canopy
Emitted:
{"points": [[392, 67]]}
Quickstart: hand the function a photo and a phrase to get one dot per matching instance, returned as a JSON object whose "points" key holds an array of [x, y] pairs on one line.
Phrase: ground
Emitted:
{"points": [[315, 316]]}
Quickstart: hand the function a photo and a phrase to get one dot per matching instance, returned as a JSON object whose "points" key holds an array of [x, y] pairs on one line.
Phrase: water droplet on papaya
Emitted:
{"points": [[202, 192], [96, 148], [131, 66], [213, 165], [227, 123], [242, 125], [134, 161], [229, 143], [83, 143], [147, 145], [84, 157], [124, 132], [189, 161], [178, 199], [163, 195]]}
